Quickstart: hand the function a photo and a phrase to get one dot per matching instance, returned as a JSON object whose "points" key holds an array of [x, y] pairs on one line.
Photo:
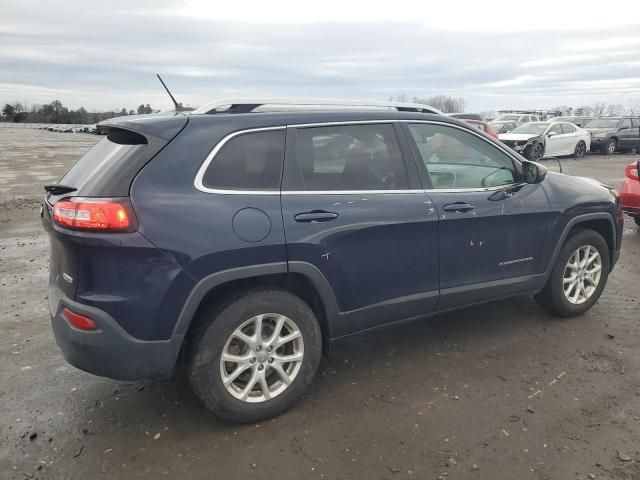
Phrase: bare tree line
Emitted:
{"points": [[444, 103], [449, 104], [56, 112]]}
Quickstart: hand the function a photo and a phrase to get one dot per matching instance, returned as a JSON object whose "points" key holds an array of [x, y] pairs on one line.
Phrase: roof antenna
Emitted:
{"points": [[177, 106]]}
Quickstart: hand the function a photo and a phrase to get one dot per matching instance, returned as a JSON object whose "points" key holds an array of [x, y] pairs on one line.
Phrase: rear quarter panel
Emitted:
{"points": [[194, 228]]}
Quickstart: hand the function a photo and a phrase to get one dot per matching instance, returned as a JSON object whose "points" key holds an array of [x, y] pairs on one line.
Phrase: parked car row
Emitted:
{"points": [[70, 128], [558, 136]]}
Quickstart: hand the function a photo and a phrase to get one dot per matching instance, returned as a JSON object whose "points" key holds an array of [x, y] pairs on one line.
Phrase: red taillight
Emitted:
{"points": [[94, 214], [632, 171], [81, 322]]}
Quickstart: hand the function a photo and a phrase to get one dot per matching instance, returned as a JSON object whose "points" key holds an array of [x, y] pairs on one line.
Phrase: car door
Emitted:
{"points": [[635, 129], [494, 230], [569, 138], [553, 140], [626, 134], [354, 214]]}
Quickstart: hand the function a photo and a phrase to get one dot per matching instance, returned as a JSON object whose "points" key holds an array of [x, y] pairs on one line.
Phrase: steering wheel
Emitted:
{"points": [[483, 182]]}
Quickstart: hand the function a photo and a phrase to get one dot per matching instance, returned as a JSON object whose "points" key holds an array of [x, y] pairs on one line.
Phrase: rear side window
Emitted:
{"points": [[350, 157], [568, 128], [250, 161], [108, 169]]}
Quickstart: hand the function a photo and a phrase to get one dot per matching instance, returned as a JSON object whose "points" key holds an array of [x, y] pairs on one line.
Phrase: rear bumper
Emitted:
{"points": [[110, 351], [630, 196]]}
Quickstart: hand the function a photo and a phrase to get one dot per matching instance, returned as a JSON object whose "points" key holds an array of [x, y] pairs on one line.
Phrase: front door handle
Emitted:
{"points": [[316, 216], [460, 207]]}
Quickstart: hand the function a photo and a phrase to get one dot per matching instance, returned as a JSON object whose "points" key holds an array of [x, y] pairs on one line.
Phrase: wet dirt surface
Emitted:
{"points": [[498, 391]]}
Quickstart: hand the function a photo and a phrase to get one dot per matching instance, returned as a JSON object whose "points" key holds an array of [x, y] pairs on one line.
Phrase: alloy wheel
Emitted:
{"points": [[582, 274], [537, 152], [262, 357], [581, 149], [611, 147]]}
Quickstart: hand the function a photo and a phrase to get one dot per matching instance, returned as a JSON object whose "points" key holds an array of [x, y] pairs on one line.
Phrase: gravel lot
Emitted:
{"points": [[499, 391]]}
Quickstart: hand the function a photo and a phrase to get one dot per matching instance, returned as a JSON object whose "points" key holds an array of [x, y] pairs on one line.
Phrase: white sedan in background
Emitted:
{"points": [[535, 140]]}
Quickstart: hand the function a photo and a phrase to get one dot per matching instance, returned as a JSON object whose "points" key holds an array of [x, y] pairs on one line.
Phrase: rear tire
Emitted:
{"points": [[581, 149], [637, 220], [554, 297], [212, 378], [610, 147]]}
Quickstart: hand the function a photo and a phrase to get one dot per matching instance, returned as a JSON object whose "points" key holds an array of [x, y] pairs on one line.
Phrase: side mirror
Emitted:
{"points": [[551, 134], [533, 172], [506, 131]]}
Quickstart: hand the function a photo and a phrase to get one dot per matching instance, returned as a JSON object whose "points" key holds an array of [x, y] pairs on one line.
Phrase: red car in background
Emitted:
{"points": [[484, 126], [630, 193]]}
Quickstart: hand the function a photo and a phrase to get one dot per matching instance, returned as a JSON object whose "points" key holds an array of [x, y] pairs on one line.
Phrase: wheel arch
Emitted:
{"points": [[601, 222], [299, 278]]}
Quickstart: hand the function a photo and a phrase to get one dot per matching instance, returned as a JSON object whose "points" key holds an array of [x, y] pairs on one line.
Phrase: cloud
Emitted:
{"points": [[104, 56]]}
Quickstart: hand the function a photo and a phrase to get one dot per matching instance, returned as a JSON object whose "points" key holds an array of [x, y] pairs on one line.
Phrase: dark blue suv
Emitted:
{"points": [[242, 239]]}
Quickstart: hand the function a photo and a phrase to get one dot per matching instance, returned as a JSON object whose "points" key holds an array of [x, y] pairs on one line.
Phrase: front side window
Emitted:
{"points": [[626, 123], [604, 123], [250, 161], [556, 129], [346, 157], [455, 158]]}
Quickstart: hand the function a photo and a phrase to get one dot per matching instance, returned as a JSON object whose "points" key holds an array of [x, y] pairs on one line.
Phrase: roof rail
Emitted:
{"points": [[246, 105]]}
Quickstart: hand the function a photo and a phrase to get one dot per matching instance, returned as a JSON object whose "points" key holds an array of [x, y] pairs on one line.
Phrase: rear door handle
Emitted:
{"points": [[460, 207], [316, 216]]}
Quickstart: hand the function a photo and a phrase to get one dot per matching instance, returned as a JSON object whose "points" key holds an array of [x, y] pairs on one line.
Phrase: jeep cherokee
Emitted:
{"points": [[242, 239]]}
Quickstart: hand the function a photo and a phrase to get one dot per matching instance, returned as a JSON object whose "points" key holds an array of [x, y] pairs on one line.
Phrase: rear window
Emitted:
{"points": [[108, 169], [250, 161]]}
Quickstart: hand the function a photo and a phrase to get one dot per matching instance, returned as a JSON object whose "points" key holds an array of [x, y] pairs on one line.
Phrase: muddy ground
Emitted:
{"points": [[499, 391]]}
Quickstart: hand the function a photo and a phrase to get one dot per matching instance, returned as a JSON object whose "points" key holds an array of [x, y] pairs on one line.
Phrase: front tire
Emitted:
{"points": [[535, 152], [255, 355], [578, 276], [610, 147], [581, 149]]}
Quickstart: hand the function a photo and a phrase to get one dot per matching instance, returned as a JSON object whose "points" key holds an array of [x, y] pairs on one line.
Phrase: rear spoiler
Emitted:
{"points": [[161, 125]]}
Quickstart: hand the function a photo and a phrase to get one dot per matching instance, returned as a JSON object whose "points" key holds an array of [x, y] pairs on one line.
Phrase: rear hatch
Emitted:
{"points": [[101, 178]]}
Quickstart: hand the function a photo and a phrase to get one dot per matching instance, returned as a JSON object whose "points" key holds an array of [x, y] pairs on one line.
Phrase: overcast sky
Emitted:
{"points": [[503, 54]]}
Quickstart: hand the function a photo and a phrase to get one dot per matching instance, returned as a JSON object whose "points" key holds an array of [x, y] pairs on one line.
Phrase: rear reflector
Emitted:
{"points": [[115, 215], [81, 322]]}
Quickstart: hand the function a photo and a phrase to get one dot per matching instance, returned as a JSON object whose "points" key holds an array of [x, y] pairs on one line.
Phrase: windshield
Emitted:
{"points": [[533, 127], [603, 123], [499, 126], [508, 117]]}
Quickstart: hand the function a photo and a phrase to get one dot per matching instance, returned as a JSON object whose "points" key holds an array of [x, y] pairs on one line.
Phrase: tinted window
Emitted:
{"points": [[458, 159], [353, 157], [110, 166], [251, 161], [568, 128]]}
